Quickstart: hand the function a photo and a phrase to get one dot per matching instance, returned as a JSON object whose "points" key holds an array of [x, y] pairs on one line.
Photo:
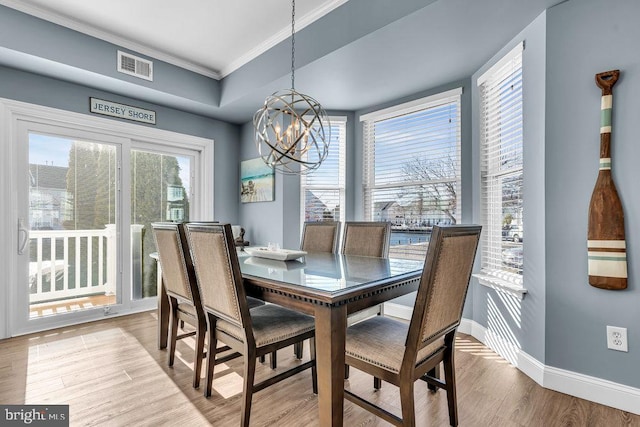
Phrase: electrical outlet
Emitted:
{"points": [[617, 338]]}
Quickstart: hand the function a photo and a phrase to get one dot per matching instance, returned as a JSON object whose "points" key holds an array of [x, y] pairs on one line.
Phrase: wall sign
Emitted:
{"points": [[122, 111]]}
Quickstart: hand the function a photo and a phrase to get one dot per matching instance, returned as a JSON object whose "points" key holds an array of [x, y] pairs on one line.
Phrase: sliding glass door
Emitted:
{"points": [[161, 190], [85, 200], [68, 222]]}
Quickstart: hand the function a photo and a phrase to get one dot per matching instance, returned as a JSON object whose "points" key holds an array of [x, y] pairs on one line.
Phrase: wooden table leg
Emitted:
{"points": [[331, 324], [163, 311]]}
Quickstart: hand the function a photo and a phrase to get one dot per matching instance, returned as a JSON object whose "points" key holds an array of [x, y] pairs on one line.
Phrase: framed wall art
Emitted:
{"points": [[257, 181]]}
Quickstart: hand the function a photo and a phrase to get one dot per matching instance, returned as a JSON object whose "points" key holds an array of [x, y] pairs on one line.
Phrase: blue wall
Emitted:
{"points": [[584, 38], [36, 45]]}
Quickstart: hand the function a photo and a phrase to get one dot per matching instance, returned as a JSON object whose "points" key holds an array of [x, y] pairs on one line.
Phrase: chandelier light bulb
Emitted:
{"points": [[304, 143]]}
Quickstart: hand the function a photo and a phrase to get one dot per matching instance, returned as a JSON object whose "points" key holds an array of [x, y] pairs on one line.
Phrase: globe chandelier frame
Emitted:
{"points": [[292, 130]]}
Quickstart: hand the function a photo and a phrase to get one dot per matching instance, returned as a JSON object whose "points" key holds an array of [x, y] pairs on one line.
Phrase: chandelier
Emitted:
{"points": [[292, 130]]}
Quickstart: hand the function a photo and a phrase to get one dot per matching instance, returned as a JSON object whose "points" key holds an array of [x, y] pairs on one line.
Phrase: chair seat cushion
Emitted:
{"points": [[271, 323], [187, 312], [187, 308], [381, 341], [254, 302]]}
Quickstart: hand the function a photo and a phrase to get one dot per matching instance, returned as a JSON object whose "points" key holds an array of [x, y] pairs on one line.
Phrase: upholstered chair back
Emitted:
{"points": [[320, 236], [175, 260], [366, 239], [217, 270], [444, 282]]}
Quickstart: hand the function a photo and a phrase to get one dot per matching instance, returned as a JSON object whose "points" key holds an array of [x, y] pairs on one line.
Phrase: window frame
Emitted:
{"points": [[419, 105], [492, 174], [340, 121]]}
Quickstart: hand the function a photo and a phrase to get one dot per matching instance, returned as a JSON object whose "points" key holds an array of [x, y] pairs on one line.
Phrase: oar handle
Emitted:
{"points": [[606, 80]]}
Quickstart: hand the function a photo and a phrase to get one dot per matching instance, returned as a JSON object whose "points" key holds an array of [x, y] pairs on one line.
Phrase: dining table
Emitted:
{"points": [[328, 287]]}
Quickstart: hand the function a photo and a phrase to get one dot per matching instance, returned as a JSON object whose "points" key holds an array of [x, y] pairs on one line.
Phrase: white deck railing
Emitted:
{"points": [[78, 257]]}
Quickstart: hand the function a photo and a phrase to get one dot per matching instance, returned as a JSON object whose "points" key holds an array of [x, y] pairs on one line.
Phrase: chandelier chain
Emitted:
{"points": [[293, 43], [292, 130]]}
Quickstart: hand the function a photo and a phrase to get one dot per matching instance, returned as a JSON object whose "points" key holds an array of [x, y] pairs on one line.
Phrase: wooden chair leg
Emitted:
{"points": [[450, 381], [173, 329], [435, 373], [249, 374], [197, 363], [263, 358], [298, 348], [211, 354], [407, 403], [377, 383], [274, 360], [346, 371], [314, 375]]}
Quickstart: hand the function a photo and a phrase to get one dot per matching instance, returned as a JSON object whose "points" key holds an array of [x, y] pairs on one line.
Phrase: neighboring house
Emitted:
{"points": [[176, 201], [317, 210], [50, 200]]}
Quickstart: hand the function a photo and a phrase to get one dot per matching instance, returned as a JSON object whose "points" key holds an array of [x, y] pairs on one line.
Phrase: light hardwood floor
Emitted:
{"points": [[112, 374]]}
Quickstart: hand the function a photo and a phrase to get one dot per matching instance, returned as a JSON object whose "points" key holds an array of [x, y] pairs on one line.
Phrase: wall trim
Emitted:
{"points": [[586, 387], [283, 34], [280, 36]]}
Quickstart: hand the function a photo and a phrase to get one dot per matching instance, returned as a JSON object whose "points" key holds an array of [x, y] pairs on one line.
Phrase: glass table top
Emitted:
{"points": [[328, 272]]}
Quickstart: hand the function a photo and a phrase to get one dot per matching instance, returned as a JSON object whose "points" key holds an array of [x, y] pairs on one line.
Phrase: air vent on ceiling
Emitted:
{"points": [[135, 66]]}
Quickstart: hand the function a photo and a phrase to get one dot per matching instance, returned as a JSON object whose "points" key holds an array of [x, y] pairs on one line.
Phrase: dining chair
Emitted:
{"points": [[252, 333], [317, 236], [367, 238], [401, 354], [180, 283], [184, 296], [320, 236]]}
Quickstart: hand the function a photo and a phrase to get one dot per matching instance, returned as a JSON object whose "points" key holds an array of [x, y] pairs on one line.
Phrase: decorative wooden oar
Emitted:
{"points": [[607, 251]]}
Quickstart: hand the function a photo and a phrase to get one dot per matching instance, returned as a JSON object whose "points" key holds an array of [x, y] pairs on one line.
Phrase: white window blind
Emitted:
{"points": [[412, 169], [501, 133], [323, 190]]}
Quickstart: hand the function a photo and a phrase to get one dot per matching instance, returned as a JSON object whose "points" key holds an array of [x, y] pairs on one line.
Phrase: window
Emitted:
{"points": [[501, 135], [412, 169], [323, 191]]}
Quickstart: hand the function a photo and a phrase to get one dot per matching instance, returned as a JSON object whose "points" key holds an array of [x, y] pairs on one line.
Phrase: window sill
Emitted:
{"points": [[504, 284]]}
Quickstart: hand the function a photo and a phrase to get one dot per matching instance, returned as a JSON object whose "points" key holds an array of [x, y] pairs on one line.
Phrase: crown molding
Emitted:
{"points": [[75, 25], [281, 35]]}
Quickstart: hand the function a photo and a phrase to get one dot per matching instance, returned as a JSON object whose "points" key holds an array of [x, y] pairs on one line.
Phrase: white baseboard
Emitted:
{"points": [[594, 389], [597, 390], [397, 310]]}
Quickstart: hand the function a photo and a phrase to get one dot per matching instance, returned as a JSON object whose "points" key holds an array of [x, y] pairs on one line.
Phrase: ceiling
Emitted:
{"points": [[347, 60], [211, 37]]}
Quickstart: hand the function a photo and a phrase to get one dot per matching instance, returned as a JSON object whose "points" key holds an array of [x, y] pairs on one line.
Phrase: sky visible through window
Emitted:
{"points": [[54, 151], [403, 139]]}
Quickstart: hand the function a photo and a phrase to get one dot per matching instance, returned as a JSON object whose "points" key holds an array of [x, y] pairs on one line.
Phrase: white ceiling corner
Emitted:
{"points": [[254, 28]]}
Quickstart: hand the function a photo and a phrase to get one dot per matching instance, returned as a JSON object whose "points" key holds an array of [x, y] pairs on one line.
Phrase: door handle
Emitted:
{"points": [[23, 236]]}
